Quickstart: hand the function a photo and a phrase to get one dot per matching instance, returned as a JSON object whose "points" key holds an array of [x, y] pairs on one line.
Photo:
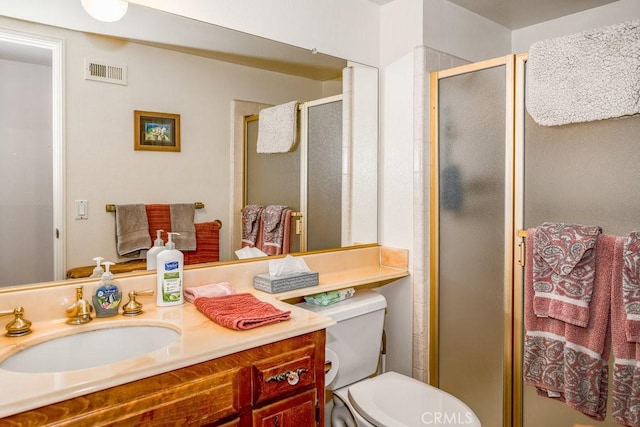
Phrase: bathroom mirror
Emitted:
{"points": [[180, 66]]}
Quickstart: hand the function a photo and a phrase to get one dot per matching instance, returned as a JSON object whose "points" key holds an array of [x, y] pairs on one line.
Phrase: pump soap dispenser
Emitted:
{"points": [[108, 296], [97, 271], [152, 254], [169, 274]]}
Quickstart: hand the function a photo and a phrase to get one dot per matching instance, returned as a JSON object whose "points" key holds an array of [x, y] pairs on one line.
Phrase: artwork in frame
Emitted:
{"points": [[156, 131]]}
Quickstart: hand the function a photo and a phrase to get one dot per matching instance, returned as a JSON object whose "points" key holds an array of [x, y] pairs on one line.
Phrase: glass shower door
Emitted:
{"points": [[471, 235]]}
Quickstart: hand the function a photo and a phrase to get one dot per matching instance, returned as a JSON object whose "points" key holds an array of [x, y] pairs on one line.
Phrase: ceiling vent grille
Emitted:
{"points": [[103, 72]]}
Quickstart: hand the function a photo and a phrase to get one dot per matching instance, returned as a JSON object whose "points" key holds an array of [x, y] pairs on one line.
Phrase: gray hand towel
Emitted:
{"points": [[132, 229], [182, 218]]}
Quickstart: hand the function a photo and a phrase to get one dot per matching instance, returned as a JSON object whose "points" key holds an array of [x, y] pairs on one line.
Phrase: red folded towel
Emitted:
{"points": [[240, 311]]}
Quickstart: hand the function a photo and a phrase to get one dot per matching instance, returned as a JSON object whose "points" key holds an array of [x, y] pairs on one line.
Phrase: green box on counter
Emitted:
{"points": [[273, 285]]}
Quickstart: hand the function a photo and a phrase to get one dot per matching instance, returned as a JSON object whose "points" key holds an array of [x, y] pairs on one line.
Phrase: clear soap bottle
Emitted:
{"points": [[152, 254]]}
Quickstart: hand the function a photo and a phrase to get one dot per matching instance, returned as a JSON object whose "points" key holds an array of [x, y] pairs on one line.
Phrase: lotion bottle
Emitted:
{"points": [[152, 254], [169, 274]]}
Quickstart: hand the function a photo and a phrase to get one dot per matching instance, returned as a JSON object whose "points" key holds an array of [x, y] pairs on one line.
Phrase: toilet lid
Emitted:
{"points": [[395, 400]]}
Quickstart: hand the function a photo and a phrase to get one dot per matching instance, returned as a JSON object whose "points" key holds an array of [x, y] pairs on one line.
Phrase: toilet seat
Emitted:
{"points": [[395, 400]]}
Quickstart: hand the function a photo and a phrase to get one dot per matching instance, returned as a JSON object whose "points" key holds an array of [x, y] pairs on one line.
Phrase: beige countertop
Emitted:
{"points": [[200, 338]]}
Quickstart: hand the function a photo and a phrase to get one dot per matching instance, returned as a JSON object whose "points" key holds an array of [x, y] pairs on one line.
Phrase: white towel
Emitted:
{"points": [[586, 76], [277, 128]]}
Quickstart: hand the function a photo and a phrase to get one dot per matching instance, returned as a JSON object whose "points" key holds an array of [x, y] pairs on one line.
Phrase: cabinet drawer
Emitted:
{"points": [[282, 374], [295, 411], [196, 401], [196, 395]]}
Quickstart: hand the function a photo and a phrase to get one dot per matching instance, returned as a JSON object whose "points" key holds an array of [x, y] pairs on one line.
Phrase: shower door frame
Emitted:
{"points": [[519, 237], [509, 382]]}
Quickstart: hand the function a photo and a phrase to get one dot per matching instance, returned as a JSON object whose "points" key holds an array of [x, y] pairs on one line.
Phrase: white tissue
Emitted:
{"points": [[287, 266], [249, 252]]}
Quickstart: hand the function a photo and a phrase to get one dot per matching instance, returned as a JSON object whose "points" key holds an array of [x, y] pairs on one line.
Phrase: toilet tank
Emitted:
{"points": [[357, 336]]}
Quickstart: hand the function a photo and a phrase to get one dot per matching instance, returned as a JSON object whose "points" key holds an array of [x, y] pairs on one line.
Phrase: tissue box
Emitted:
{"points": [[273, 285]]}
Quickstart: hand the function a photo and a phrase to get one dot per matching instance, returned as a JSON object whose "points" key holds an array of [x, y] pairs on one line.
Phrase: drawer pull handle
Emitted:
{"points": [[292, 377]]}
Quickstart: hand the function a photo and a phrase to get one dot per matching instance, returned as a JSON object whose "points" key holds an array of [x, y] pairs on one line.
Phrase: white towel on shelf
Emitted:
{"points": [[592, 75], [277, 128]]}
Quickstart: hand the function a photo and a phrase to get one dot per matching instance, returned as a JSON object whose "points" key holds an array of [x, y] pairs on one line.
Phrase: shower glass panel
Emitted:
{"points": [[271, 179], [472, 207], [585, 173], [324, 175]]}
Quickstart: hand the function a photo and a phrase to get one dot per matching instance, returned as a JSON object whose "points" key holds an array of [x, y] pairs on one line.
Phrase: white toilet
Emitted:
{"points": [[389, 399]]}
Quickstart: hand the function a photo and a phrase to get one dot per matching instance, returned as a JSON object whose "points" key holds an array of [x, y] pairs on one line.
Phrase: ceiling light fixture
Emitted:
{"points": [[105, 10]]}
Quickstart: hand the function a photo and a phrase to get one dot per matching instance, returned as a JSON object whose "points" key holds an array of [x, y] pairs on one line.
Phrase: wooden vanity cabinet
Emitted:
{"points": [[278, 384]]}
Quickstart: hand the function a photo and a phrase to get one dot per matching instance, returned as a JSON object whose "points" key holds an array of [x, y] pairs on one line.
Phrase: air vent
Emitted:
{"points": [[103, 72]]}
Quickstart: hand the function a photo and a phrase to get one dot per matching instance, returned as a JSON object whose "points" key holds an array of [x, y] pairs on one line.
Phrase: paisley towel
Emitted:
{"points": [[568, 362], [631, 285], [251, 224], [625, 396], [276, 224], [564, 260], [240, 311]]}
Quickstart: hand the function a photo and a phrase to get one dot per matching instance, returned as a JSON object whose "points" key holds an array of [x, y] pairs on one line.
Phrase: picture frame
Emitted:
{"points": [[155, 131]]}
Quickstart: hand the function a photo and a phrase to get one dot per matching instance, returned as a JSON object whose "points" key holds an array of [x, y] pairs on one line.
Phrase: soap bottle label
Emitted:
{"points": [[171, 283]]}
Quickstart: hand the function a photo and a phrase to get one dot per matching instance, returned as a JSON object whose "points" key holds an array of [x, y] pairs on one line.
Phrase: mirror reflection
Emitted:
{"points": [[214, 79]]}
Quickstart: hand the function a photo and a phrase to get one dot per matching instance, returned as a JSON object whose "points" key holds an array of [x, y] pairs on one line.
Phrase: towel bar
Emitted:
{"points": [[112, 207]]}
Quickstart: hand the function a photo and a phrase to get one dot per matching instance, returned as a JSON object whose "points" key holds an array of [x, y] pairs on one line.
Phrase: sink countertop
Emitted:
{"points": [[201, 339]]}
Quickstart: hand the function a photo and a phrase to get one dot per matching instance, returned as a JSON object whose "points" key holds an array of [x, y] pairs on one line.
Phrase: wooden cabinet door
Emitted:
{"points": [[295, 411]]}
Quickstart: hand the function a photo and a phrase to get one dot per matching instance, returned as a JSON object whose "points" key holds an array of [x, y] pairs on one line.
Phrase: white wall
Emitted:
{"points": [[401, 29], [346, 29], [396, 202], [26, 204], [612, 13], [456, 31]]}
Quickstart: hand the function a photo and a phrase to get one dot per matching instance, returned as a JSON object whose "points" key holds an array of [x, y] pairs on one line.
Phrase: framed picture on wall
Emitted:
{"points": [[156, 131]]}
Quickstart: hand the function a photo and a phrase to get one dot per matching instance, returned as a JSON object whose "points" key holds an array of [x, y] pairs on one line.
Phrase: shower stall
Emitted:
{"points": [[308, 179], [494, 173]]}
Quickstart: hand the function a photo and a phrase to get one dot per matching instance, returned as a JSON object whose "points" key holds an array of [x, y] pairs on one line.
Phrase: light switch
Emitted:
{"points": [[82, 209]]}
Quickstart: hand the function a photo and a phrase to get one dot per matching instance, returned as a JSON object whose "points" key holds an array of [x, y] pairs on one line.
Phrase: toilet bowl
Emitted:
{"points": [[395, 400], [387, 400]]}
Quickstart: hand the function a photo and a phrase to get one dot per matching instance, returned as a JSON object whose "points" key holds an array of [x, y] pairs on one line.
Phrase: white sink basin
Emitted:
{"points": [[90, 349]]}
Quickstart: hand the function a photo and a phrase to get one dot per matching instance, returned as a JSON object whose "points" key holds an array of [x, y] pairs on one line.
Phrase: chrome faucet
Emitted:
{"points": [[79, 312]]}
